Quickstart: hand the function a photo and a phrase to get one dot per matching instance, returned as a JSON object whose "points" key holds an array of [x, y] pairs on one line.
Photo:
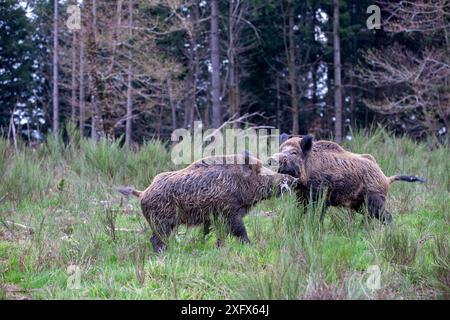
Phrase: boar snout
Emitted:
{"points": [[277, 159]]}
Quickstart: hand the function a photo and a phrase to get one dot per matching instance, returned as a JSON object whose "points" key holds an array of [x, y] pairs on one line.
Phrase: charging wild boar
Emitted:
{"points": [[225, 186], [347, 179]]}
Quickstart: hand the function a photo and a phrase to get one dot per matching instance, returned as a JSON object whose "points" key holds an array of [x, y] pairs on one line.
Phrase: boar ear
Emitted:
{"points": [[283, 137], [306, 143]]}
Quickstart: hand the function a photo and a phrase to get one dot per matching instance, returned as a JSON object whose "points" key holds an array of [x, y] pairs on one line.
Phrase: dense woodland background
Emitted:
{"points": [[143, 68]]}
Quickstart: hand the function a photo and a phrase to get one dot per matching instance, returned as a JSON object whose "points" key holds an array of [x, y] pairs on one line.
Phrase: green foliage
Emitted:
{"points": [[441, 263], [398, 246], [17, 50], [103, 157], [74, 136], [4, 151], [24, 179], [53, 150], [142, 166]]}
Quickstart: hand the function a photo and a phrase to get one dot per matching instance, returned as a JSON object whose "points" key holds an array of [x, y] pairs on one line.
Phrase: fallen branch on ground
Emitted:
{"points": [[22, 226], [125, 230]]}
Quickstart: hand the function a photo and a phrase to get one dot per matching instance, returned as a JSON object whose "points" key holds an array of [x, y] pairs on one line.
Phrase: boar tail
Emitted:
{"points": [[126, 191], [406, 178]]}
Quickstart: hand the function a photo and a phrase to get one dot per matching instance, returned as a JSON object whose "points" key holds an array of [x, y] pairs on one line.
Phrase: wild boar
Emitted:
{"points": [[348, 179], [225, 186]]}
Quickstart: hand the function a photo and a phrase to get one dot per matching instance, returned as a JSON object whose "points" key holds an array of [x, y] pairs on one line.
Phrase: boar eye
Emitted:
{"points": [[294, 152]]}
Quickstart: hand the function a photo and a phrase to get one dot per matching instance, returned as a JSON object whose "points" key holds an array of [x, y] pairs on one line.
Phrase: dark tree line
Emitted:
{"points": [[143, 68]]}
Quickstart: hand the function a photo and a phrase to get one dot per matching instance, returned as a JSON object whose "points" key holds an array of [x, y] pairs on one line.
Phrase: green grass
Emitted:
{"points": [[64, 197]]}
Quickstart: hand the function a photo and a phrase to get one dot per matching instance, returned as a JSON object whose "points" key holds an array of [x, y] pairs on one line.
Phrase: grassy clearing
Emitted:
{"points": [[58, 210]]}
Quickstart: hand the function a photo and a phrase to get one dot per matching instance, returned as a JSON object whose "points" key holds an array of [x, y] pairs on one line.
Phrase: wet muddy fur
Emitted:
{"points": [[207, 189], [348, 180]]}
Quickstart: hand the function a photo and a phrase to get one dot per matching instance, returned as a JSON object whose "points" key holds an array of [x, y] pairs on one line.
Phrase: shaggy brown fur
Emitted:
{"points": [[208, 188], [348, 179]]}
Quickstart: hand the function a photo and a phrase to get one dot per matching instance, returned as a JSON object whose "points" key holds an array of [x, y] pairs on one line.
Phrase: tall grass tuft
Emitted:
{"points": [[398, 246], [4, 152], [24, 179], [74, 136], [53, 151], [441, 264], [142, 166], [109, 220], [284, 280], [103, 157], [297, 232]]}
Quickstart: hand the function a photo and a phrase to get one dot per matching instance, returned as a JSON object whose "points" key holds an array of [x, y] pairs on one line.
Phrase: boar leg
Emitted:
{"points": [[376, 209], [387, 217], [206, 228], [158, 245], [237, 229], [219, 243], [314, 199], [161, 231], [302, 201]]}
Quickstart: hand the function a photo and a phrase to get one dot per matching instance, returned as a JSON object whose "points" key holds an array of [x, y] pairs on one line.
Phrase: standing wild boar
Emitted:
{"points": [[222, 185], [348, 179]]}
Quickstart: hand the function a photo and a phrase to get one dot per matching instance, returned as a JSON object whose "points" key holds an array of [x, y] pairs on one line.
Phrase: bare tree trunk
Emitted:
{"points": [[232, 98], [215, 63], [191, 86], [238, 94], [159, 123], [194, 108], [55, 94], [74, 77], [115, 33], [189, 100], [352, 100], [172, 105], [337, 74], [81, 82], [315, 127], [93, 107], [207, 116], [192, 78], [292, 75], [130, 79], [329, 106], [366, 111], [97, 129], [12, 129], [277, 84]]}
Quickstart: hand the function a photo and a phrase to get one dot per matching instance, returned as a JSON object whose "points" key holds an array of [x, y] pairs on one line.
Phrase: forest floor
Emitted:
{"points": [[58, 209]]}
